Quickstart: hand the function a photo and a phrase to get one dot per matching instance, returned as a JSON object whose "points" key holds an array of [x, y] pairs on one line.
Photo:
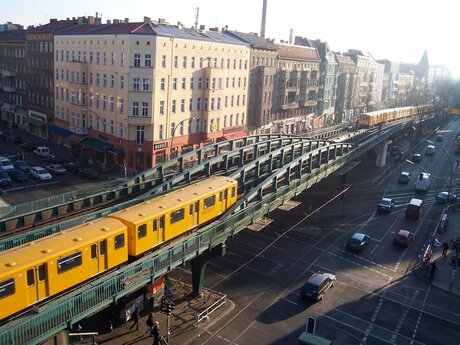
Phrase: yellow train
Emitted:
{"points": [[375, 118], [35, 271]]}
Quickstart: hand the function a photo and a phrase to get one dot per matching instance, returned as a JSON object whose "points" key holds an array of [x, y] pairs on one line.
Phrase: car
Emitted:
{"points": [[52, 159], [430, 150], [417, 157], [17, 175], [72, 167], [89, 173], [28, 146], [403, 238], [404, 177], [14, 139], [6, 164], [358, 241], [443, 197], [56, 169], [5, 179], [22, 165], [386, 204], [439, 137], [317, 285], [40, 173], [42, 151]]}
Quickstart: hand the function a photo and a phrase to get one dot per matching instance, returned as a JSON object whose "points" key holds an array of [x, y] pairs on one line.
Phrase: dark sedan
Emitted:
{"points": [[72, 167], [89, 173], [18, 175], [358, 241], [5, 179]]}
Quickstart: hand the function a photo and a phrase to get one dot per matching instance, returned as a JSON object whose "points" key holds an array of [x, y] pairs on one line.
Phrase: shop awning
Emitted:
{"points": [[116, 151], [35, 122], [60, 131], [77, 138], [234, 136], [96, 144]]}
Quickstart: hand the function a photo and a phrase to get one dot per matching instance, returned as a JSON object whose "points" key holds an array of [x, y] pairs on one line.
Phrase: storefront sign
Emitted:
{"points": [[160, 146]]}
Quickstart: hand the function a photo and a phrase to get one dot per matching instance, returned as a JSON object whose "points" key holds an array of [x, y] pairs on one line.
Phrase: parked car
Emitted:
{"points": [[443, 197], [17, 175], [404, 177], [14, 139], [317, 285], [386, 204], [40, 173], [72, 167], [52, 159], [6, 164], [403, 238], [430, 150], [417, 157], [89, 173], [28, 146], [22, 165], [439, 137], [5, 179], [56, 169], [358, 241], [42, 151]]}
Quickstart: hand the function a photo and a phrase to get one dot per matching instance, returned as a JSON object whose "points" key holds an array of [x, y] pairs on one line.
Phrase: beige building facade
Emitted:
{"points": [[143, 91]]}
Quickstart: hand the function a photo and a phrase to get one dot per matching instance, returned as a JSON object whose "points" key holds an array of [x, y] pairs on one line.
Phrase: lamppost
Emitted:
{"points": [[174, 132], [451, 169], [105, 132]]}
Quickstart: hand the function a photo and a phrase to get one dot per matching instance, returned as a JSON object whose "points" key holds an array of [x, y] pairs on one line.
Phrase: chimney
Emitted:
{"points": [[98, 21], [126, 20], [53, 20], [290, 35], [91, 20], [264, 17], [116, 21], [202, 27], [214, 29], [80, 20], [108, 21], [146, 20], [179, 24], [161, 21]]}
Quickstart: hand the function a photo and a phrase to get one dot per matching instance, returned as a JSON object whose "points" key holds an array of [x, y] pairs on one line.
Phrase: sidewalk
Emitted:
{"points": [[184, 327]]}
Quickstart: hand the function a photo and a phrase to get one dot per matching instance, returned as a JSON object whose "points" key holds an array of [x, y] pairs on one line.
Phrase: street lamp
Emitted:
{"points": [[451, 169], [105, 132], [174, 132]]}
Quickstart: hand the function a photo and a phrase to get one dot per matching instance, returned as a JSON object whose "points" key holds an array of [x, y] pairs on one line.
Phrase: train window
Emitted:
{"points": [[93, 251], [233, 192], [69, 262], [209, 202], [103, 247], [119, 241], [155, 225], [177, 216], [142, 231], [221, 194], [30, 277], [42, 272], [7, 288]]}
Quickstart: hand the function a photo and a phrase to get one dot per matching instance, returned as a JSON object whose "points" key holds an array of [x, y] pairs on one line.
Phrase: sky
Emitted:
{"points": [[397, 30]]}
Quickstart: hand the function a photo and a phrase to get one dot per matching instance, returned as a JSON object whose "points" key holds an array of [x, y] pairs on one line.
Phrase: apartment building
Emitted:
{"points": [[40, 78], [13, 77], [347, 72], [296, 89], [143, 92], [390, 83], [406, 84], [262, 73]]}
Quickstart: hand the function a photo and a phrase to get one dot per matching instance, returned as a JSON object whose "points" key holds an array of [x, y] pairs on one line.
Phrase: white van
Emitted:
{"points": [[423, 182], [5, 164], [42, 151]]}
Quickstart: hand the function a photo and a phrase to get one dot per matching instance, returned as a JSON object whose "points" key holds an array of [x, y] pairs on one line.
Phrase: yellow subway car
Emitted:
{"points": [[375, 118], [161, 219], [48, 266]]}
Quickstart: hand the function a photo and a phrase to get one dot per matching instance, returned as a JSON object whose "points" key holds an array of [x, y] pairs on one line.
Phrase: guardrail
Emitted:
{"points": [[87, 338], [204, 315]]}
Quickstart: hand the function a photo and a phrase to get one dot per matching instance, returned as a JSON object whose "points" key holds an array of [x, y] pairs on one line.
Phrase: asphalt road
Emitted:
{"points": [[376, 299]]}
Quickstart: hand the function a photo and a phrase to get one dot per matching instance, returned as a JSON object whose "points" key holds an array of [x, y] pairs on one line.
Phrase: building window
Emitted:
{"points": [[198, 103], [98, 58], [162, 84], [184, 62], [122, 59], [104, 80], [122, 105], [163, 61], [191, 83], [145, 84], [148, 60], [112, 58], [161, 132], [145, 109], [122, 82], [173, 106], [140, 135], [137, 60], [182, 105], [176, 61], [190, 122], [183, 83], [174, 84], [111, 103], [200, 83], [192, 63], [136, 83], [190, 104], [162, 107], [135, 109]]}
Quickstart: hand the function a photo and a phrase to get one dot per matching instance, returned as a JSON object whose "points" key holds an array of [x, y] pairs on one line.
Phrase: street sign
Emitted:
{"points": [[168, 293], [311, 325]]}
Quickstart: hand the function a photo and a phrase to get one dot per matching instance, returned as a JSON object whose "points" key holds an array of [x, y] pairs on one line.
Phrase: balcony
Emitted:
{"points": [[8, 88], [308, 103], [140, 120], [8, 73], [79, 130], [291, 105]]}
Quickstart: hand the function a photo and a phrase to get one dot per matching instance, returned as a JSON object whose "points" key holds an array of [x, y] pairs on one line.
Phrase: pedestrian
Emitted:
{"points": [[135, 318], [150, 323], [433, 269], [445, 247], [156, 333]]}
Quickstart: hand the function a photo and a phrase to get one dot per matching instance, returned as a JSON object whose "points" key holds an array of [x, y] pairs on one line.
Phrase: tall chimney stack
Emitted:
{"points": [[264, 17], [290, 35]]}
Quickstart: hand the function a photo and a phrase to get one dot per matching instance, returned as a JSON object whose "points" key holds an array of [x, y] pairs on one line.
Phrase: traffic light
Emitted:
{"points": [[169, 307], [163, 306]]}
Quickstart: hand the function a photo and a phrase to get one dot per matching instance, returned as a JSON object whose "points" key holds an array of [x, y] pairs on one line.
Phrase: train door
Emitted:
{"points": [[193, 211], [223, 200], [37, 283], [158, 228], [98, 262]]}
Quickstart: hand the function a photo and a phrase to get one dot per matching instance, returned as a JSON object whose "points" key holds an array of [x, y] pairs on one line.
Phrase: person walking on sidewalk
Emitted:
{"points": [[445, 247], [156, 333], [150, 323], [433, 269], [135, 319]]}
